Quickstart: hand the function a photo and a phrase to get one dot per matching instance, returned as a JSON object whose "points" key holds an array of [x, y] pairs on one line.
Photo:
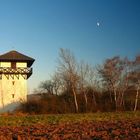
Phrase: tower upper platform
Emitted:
{"points": [[14, 56]]}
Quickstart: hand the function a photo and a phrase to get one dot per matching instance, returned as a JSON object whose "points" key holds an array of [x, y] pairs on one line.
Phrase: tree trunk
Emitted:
{"points": [[119, 100], [122, 100], [85, 96], [136, 99], [115, 98], [94, 99], [75, 100], [110, 95]]}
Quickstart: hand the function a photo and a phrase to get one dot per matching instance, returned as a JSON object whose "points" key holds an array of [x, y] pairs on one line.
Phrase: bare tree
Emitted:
{"points": [[93, 83], [123, 80], [134, 77], [137, 95], [114, 76], [67, 68], [57, 83], [83, 83], [47, 86], [52, 86]]}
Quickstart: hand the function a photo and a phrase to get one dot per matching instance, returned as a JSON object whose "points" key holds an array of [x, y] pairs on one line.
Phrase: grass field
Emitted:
{"points": [[23, 120]]}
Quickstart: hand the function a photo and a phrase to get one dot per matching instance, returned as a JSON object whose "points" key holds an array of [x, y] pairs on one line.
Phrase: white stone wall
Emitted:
{"points": [[13, 89], [5, 64], [21, 65]]}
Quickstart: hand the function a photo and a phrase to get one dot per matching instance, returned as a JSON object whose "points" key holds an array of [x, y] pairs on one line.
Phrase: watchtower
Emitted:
{"points": [[15, 69]]}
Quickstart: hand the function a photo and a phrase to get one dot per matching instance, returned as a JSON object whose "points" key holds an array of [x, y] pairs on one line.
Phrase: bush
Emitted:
{"points": [[64, 103]]}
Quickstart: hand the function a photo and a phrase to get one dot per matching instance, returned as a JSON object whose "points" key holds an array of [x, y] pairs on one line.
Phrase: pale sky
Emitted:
{"points": [[38, 28]]}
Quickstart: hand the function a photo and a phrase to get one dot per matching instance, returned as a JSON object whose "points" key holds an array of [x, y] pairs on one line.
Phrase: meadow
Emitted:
{"points": [[28, 120]]}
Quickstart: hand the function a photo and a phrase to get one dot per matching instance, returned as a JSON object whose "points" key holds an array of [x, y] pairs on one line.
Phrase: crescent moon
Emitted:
{"points": [[98, 24]]}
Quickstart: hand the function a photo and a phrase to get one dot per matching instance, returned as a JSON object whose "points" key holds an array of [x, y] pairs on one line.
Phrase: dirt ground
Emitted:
{"points": [[85, 130]]}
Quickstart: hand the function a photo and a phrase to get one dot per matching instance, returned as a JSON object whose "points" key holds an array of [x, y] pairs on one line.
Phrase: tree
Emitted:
{"points": [[67, 68], [57, 83], [114, 77], [83, 72], [93, 83], [134, 77], [47, 86]]}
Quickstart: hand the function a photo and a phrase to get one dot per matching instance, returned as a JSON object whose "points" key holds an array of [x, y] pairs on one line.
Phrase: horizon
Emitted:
{"points": [[92, 30]]}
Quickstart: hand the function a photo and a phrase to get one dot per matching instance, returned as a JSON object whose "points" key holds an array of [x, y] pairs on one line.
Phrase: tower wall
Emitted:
{"points": [[5, 64], [15, 69], [13, 88], [22, 65]]}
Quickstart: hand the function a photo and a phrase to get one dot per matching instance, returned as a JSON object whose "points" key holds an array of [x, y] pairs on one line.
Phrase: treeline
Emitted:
{"points": [[80, 87]]}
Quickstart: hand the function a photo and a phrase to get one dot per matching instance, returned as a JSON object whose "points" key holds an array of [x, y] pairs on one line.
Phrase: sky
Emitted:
{"points": [[92, 29]]}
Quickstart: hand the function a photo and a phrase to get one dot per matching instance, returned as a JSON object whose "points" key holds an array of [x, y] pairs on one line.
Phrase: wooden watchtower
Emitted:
{"points": [[15, 69]]}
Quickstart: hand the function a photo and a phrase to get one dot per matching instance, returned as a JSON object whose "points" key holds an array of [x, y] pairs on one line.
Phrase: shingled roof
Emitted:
{"points": [[16, 57]]}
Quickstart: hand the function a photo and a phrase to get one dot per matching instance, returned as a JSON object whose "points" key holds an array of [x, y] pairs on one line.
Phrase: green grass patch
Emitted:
{"points": [[28, 120]]}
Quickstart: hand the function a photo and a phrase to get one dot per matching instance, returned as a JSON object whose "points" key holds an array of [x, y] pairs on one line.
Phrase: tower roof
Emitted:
{"points": [[16, 56]]}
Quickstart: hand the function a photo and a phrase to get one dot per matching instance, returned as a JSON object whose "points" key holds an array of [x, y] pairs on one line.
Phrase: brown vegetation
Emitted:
{"points": [[85, 130]]}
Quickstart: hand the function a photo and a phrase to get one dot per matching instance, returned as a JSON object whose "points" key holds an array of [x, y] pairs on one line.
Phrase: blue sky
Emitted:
{"points": [[38, 28]]}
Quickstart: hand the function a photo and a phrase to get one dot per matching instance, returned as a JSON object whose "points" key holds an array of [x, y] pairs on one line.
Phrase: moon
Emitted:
{"points": [[98, 24]]}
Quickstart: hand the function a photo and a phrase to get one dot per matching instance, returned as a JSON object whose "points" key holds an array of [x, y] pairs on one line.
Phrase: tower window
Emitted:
{"points": [[13, 82], [13, 95], [13, 65]]}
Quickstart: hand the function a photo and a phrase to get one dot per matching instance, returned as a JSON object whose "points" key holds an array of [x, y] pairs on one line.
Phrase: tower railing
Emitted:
{"points": [[18, 70]]}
